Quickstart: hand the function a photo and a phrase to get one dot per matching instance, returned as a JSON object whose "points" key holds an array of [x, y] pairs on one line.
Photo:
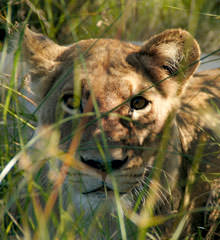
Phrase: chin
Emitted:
{"points": [[92, 203]]}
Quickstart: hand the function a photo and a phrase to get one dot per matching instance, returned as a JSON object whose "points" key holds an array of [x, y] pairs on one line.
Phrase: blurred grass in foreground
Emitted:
{"points": [[67, 21]]}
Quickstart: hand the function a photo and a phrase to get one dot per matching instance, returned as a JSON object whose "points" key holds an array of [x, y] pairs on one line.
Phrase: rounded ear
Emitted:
{"points": [[40, 51], [177, 49], [40, 54], [172, 55]]}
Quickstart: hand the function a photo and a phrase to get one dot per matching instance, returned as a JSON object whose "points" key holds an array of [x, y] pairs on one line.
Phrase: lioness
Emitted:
{"points": [[148, 129]]}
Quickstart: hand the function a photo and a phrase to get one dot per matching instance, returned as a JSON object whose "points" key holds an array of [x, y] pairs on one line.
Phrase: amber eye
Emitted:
{"points": [[138, 103]]}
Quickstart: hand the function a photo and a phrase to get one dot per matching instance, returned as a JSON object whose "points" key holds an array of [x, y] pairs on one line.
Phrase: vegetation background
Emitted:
{"points": [[132, 20], [66, 21]]}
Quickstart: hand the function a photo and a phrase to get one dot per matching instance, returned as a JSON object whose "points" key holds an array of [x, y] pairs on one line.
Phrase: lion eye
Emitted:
{"points": [[138, 103], [71, 103], [68, 101]]}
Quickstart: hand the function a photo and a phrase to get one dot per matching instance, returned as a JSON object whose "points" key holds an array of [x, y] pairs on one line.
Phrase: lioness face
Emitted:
{"points": [[130, 92]]}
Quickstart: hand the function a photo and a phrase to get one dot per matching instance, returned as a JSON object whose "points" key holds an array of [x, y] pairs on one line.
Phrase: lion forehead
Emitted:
{"points": [[107, 73]]}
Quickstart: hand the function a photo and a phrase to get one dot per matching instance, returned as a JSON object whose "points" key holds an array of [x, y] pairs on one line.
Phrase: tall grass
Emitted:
{"points": [[67, 21]]}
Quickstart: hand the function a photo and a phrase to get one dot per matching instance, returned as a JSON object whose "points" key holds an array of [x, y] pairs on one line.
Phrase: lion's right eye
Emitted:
{"points": [[67, 100], [70, 103]]}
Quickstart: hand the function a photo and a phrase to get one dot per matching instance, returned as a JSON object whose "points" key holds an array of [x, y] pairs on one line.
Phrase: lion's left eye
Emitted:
{"points": [[138, 103]]}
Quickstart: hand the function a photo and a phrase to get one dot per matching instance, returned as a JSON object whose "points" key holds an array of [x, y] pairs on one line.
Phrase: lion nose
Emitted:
{"points": [[105, 166]]}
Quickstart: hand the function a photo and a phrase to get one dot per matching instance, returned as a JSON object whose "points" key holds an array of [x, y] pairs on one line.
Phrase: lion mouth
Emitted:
{"points": [[102, 189], [104, 169]]}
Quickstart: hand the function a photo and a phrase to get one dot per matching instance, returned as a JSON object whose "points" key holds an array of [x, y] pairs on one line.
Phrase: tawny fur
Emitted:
{"points": [[112, 72]]}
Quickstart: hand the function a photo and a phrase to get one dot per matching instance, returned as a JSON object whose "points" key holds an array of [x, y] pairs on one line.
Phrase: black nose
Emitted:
{"points": [[105, 166]]}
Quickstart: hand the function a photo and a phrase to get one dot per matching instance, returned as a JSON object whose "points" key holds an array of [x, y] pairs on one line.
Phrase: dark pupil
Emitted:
{"points": [[68, 100], [138, 103]]}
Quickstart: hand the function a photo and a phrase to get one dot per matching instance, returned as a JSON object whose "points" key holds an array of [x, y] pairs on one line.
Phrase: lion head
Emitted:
{"points": [[118, 107], [130, 92]]}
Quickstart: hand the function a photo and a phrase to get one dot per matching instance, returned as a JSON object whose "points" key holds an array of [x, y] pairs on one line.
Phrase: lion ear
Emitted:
{"points": [[39, 51], [41, 55], [173, 54]]}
